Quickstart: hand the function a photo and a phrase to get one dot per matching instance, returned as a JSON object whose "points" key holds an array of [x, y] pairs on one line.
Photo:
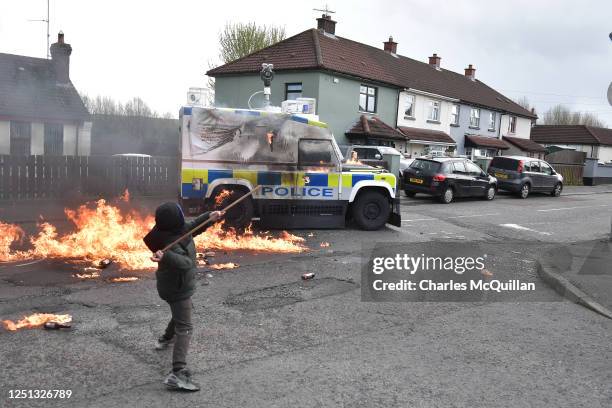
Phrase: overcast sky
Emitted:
{"points": [[551, 51]]}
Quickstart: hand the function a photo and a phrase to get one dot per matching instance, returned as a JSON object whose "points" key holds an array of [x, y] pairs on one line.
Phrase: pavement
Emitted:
{"points": [[264, 337]]}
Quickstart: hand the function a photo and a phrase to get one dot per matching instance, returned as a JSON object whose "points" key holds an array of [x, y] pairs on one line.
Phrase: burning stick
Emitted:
{"points": [[124, 279], [179, 239], [36, 320], [229, 265]]}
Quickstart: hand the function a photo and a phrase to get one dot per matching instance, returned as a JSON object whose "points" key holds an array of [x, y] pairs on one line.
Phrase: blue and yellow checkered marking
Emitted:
{"points": [[275, 178]]}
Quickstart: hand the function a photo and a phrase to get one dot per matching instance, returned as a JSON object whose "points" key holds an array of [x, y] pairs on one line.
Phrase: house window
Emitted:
{"points": [[492, 118], [54, 139], [21, 133], [455, 114], [293, 91], [475, 117], [367, 98], [433, 113], [409, 107], [512, 124]]}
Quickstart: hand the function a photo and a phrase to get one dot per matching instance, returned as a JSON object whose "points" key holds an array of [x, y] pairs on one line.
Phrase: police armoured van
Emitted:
{"points": [[225, 153]]}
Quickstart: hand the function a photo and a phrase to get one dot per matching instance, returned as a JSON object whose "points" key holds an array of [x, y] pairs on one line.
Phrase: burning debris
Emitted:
{"points": [[93, 275], [354, 159], [324, 245], [229, 265], [123, 279], [221, 197], [105, 234], [37, 320]]}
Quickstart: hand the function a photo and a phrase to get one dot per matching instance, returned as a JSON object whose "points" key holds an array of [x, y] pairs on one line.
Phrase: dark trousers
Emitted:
{"points": [[181, 326]]}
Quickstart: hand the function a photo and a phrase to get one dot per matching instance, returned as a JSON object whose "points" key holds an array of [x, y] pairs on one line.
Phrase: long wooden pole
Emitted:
{"points": [[208, 221]]}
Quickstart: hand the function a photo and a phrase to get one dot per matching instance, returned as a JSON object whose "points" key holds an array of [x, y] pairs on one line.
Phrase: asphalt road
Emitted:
{"points": [[264, 338]]}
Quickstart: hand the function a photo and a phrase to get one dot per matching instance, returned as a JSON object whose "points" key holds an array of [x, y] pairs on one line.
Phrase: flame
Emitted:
{"points": [[354, 159], [105, 231], [124, 279], [229, 265], [125, 197], [216, 237], [36, 320], [9, 234], [324, 245], [92, 275], [222, 196]]}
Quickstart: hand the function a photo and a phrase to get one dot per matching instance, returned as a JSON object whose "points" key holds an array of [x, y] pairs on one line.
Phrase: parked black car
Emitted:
{"points": [[524, 175], [447, 178]]}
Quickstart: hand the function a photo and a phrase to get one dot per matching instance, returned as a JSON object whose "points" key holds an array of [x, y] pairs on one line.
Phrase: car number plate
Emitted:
{"points": [[416, 180], [501, 175]]}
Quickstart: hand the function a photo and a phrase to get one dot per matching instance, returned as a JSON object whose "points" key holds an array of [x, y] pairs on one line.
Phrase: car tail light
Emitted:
{"points": [[520, 166], [439, 177]]}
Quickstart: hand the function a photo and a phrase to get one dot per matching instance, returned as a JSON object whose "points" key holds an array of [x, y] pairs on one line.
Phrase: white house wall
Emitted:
{"points": [[523, 127], [5, 137], [605, 154], [84, 134], [37, 140], [420, 112], [70, 140]]}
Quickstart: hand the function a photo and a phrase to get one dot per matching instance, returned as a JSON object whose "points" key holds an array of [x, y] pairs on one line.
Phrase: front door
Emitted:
{"points": [[478, 180], [548, 179], [461, 178]]}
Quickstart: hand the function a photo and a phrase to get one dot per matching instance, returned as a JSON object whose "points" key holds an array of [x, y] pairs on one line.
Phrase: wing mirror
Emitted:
{"points": [[378, 156]]}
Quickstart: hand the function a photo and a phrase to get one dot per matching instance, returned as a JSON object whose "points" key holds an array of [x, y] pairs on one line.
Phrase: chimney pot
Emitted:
{"points": [[434, 61], [326, 24], [470, 72], [390, 46]]}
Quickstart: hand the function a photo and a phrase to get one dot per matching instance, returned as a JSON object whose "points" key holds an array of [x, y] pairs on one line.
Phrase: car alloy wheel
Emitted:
{"points": [[448, 195], [525, 191], [491, 193], [557, 190]]}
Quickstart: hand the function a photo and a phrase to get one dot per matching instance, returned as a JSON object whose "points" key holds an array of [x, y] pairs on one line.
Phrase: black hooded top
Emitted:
{"points": [[176, 270]]}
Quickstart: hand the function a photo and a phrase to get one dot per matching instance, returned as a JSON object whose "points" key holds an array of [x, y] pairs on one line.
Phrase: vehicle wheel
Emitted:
{"points": [[490, 193], [409, 193], [371, 210], [557, 191], [447, 196], [238, 216], [525, 190]]}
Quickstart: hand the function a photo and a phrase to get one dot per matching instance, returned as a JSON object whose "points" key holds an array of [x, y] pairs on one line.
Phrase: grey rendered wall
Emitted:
{"points": [[234, 91], [458, 132], [338, 104]]}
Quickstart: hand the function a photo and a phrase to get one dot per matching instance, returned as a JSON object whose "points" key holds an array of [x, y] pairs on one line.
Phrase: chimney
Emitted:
{"points": [[434, 61], [326, 24], [470, 72], [60, 57], [390, 46]]}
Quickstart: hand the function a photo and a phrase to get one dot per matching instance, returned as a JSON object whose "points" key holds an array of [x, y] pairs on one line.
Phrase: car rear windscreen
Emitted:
{"points": [[426, 165], [504, 163]]}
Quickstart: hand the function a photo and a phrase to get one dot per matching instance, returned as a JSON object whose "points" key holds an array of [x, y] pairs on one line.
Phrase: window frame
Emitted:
{"points": [[47, 143], [492, 120], [412, 106], [476, 117], [367, 96], [512, 124], [431, 108], [15, 135], [334, 158], [456, 121], [287, 91]]}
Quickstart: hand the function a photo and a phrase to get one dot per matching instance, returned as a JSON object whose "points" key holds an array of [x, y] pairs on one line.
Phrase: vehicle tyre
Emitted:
{"points": [[490, 193], [409, 193], [524, 191], [371, 210], [557, 190], [447, 196], [238, 216]]}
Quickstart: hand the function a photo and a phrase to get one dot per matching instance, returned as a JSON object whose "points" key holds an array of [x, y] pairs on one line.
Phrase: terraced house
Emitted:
{"points": [[370, 95]]}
